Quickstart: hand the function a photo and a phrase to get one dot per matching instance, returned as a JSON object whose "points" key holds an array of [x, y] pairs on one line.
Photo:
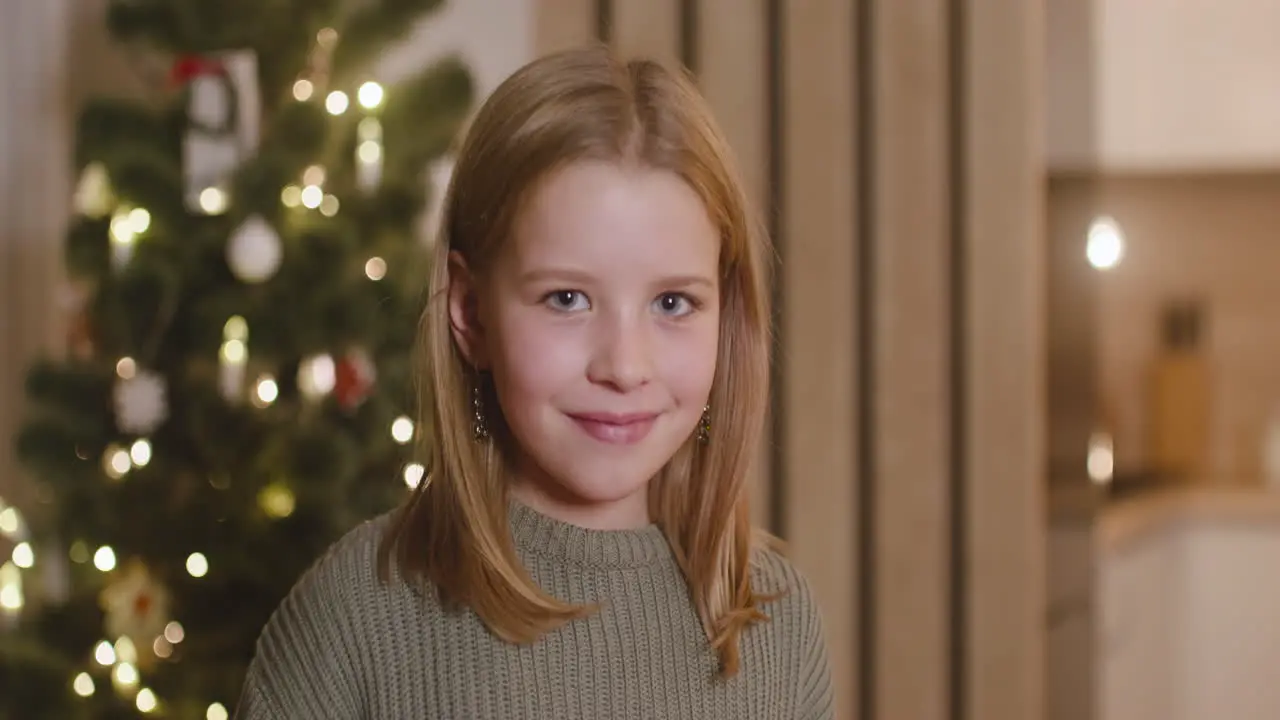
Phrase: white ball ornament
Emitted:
{"points": [[254, 251]]}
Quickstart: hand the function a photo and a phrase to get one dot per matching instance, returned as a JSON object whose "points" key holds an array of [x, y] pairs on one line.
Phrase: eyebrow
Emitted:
{"points": [[542, 275]]}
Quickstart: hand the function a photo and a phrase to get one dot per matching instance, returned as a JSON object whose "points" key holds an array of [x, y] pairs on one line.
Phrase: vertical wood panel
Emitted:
{"points": [[563, 24], [819, 320], [647, 27], [1006, 323], [733, 74], [911, 337]]}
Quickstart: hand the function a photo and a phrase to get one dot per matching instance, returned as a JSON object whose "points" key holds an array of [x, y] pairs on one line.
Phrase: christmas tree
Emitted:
{"points": [[247, 256]]}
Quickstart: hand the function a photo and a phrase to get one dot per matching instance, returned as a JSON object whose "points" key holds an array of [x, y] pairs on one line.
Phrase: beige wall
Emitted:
{"points": [[1205, 236], [899, 154], [34, 194]]}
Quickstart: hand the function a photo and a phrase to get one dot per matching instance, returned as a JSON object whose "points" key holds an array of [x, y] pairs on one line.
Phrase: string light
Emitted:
{"points": [[161, 647], [368, 153], [104, 654], [124, 675], [313, 175], [265, 391], [126, 368], [375, 268], [277, 500], [413, 474], [197, 565], [291, 196], [337, 102], [216, 712], [174, 632], [213, 201], [126, 225], [10, 520], [402, 430], [233, 356], [83, 685], [312, 196], [79, 552], [116, 462], [370, 95], [317, 376], [146, 700], [126, 651], [11, 599], [140, 453], [302, 90], [329, 206], [105, 559], [24, 556]]}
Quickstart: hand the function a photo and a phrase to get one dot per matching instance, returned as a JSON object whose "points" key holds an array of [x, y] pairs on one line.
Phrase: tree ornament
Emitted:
{"points": [[94, 197], [254, 251], [141, 402], [222, 123], [354, 379], [136, 605]]}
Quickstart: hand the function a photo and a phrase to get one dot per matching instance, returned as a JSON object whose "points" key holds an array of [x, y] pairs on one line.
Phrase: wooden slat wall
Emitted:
{"points": [[895, 148], [819, 288], [560, 24], [731, 39], [909, 234], [1005, 367]]}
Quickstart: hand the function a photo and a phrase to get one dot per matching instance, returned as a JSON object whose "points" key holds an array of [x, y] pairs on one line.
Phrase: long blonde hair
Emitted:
{"points": [[453, 531]]}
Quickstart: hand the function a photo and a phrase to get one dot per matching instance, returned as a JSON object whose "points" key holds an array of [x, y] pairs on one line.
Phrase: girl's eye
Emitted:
{"points": [[566, 300], [675, 304]]}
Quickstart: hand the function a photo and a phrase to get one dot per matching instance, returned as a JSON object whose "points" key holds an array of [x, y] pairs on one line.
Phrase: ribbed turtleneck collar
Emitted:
{"points": [[537, 533]]}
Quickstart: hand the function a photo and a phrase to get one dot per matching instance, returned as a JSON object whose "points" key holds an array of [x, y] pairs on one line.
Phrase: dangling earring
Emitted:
{"points": [[704, 426], [479, 427]]}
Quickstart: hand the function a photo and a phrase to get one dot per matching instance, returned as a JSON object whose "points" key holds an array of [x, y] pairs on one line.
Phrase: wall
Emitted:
{"points": [[1211, 236], [34, 194], [1175, 85], [493, 37]]}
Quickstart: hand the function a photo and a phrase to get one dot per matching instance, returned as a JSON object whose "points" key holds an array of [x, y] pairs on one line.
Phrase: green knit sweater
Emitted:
{"points": [[345, 646]]}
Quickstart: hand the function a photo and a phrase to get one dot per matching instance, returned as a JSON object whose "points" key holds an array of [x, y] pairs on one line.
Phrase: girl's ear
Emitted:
{"points": [[464, 312]]}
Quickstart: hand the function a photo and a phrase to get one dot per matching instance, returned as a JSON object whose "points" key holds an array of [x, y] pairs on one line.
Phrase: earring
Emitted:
{"points": [[704, 426], [479, 427]]}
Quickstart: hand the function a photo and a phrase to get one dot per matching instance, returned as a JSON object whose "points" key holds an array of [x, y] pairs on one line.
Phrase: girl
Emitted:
{"points": [[595, 364]]}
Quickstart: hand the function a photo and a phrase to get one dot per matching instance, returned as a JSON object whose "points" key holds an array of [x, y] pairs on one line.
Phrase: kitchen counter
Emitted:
{"points": [[1125, 521]]}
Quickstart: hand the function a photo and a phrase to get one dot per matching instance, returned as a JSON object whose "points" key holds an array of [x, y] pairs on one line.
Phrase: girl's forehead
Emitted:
{"points": [[603, 218]]}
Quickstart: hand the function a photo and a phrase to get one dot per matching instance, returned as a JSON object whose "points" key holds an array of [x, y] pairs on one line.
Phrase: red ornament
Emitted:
{"points": [[354, 377], [189, 66]]}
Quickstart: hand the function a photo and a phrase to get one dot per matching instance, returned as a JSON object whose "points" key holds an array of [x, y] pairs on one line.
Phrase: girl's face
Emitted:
{"points": [[600, 324]]}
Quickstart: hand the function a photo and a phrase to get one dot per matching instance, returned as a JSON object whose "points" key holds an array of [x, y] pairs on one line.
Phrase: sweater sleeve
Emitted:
{"points": [[307, 663], [799, 611], [815, 697]]}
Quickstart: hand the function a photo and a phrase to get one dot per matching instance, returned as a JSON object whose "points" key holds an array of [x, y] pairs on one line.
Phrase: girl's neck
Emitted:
{"points": [[628, 513]]}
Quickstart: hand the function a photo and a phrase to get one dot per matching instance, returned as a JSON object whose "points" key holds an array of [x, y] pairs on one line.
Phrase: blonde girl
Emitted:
{"points": [[594, 385]]}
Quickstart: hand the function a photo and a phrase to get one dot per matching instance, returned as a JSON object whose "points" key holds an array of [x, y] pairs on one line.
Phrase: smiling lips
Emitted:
{"points": [[615, 428]]}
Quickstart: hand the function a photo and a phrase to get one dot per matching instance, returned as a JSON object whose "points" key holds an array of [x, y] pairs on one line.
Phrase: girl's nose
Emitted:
{"points": [[623, 357]]}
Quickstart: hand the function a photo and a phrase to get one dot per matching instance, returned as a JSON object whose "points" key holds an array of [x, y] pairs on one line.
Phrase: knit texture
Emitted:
{"points": [[345, 646]]}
